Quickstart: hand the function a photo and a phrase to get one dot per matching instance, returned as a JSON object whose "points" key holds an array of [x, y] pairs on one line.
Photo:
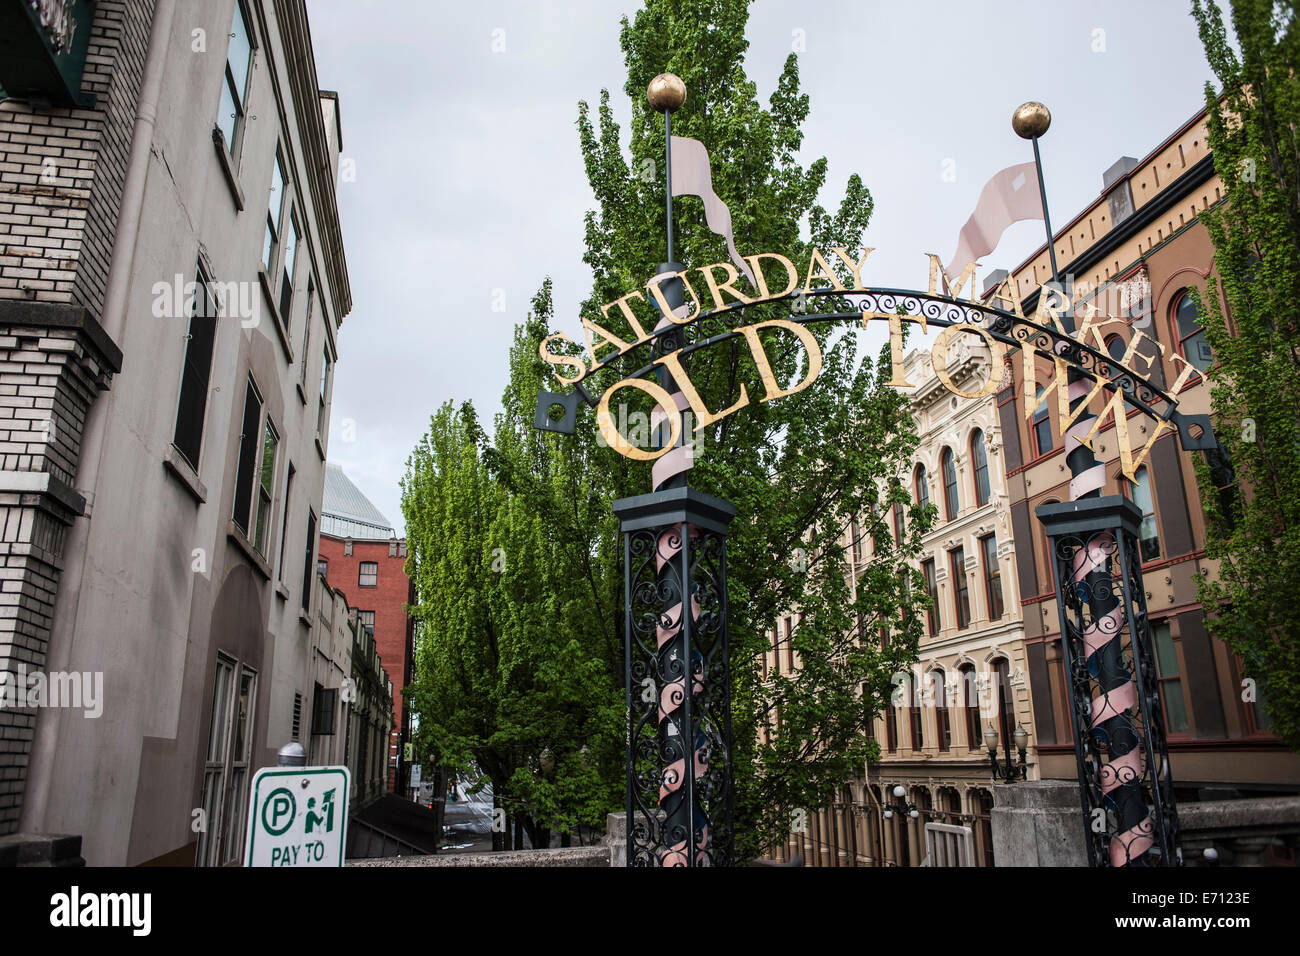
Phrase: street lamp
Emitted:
{"points": [[1008, 772], [899, 806]]}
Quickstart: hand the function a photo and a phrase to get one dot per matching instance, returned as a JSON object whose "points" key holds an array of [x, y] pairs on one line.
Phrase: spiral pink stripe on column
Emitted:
{"points": [[1112, 704], [1133, 842], [1092, 558], [1102, 630]]}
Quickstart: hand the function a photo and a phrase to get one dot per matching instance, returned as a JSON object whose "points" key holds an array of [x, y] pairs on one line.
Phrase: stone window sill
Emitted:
{"points": [[320, 448], [258, 562], [302, 395], [281, 590], [265, 281], [228, 168], [176, 466]]}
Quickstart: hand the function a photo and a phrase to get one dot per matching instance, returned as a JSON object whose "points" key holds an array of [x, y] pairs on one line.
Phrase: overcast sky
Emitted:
{"points": [[469, 186]]}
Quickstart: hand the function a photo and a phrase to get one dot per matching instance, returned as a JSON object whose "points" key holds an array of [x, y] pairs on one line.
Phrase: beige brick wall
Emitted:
{"points": [[62, 170]]}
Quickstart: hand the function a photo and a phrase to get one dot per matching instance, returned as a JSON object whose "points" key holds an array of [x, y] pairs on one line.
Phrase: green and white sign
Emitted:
{"points": [[298, 816]]}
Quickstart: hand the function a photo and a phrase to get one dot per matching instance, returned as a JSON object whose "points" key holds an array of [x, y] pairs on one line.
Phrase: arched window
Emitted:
{"points": [[1006, 717], [1042, 424], [1191, 338], [951, 501], [941, 710], [1148, 535], [971, 702], [919, 479], [980, 462]]}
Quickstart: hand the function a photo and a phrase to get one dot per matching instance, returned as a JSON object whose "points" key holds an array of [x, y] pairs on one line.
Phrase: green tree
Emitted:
{"points": [[798, 469], [514, 675], [1255, 534]]}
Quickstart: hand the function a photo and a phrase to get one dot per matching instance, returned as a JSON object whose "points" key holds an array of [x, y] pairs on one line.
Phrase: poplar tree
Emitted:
{"points": [[522, 671], [1254, 516]]}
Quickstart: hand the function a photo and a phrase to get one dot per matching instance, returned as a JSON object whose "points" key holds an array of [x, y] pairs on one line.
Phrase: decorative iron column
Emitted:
{"points": [[1125, 784], [677, 676]]}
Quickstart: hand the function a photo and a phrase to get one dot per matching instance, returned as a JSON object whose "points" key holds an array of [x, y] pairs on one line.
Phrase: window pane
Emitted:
{"points": [[368, 574], [243, 717], [220, 708], [240, 53], [247, 456], [270, 442], [286, 288], [950, 484], [981, 463], [268, 244], [196, 368], [1042, 425], [227, 113], [1195, 348], [1171, 687], [1148, 536], [922, 486], [275, 203]]}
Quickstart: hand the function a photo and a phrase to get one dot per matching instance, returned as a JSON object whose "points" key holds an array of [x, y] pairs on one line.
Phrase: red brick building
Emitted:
{"points": [[361, 556]]}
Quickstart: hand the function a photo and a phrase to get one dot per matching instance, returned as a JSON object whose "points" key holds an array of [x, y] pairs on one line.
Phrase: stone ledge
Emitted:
{"points": [[592, 856], [40, 849], [22, 312]]}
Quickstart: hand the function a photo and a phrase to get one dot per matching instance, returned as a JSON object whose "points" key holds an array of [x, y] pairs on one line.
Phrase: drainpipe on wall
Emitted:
{"points": [[125, 237]]}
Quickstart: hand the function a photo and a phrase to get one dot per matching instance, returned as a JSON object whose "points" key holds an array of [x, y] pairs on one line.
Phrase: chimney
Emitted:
{"points": [[1120, 198]]}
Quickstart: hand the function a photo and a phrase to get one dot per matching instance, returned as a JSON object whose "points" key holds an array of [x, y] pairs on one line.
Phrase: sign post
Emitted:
{"points": [[298, 816]]}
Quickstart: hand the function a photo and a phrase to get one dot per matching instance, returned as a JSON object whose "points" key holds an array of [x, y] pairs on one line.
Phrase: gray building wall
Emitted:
{"points": [[154, 580]]}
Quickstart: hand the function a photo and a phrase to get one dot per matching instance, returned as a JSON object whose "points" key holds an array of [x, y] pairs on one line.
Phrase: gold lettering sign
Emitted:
{"points": [[721, 279]]}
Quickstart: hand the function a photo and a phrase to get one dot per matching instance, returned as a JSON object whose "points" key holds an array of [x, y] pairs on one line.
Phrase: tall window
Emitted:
{"points": [[324, 393], [308, 560], [855, 539], [1148, 536], [789, 647], [1171, 684], [1042, 424], [922, 486], [191, 408], [368, 574], [275, 204], [225, 773], [306, 332], [898, 523], [284, 521], [891, 727], [960, 590], [248, 448], [992, 576], [265, 485], [941, 710], [286, 280], [932, 591], [970, 693], [1006, 702], [1191, 338], [980, 462], [234, 87], [914, 717], [951, 501], [367, 620]]}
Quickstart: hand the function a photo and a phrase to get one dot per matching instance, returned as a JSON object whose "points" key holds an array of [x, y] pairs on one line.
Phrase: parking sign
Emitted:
{"points": [[298, 816]]}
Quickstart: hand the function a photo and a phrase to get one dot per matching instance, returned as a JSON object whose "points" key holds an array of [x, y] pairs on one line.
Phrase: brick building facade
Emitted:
{"points": [[361, 558]]}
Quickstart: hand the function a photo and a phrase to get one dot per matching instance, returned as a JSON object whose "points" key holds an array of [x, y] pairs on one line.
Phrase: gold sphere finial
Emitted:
{"points": [[666, 93], [1030, 120]]}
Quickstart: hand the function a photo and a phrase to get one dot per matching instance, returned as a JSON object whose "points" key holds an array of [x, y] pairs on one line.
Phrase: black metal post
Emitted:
{"points": [[677, 679], [1121, 752]]}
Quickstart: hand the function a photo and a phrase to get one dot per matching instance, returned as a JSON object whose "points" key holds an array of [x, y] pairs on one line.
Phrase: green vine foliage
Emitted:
{"points": [[1254, 533]]}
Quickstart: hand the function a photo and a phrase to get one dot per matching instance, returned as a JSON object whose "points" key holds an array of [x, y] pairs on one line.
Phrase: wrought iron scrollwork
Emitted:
{"points": [[1126, 788], [679, 760]]}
